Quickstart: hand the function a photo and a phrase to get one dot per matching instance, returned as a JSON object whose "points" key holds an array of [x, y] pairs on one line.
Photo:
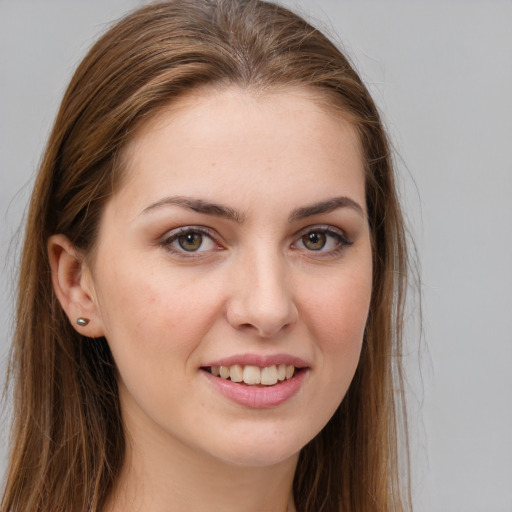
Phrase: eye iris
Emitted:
{"points": [[314, 241], [191, 241]]}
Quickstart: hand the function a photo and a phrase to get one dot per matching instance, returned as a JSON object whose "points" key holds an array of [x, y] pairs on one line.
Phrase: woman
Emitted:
{"points": [[211, 288]]}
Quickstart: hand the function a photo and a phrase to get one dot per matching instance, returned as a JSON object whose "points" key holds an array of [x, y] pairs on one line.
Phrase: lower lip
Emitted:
{"points": [[258, 397]]}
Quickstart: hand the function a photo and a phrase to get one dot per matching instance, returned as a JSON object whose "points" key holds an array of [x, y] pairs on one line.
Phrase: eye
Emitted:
{"points": [[314, 241], [189, 240], [322, 240]]}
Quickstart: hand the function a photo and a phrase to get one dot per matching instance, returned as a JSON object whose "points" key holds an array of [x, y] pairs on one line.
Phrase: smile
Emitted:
{"points": [[257, 382], [254, 375]]}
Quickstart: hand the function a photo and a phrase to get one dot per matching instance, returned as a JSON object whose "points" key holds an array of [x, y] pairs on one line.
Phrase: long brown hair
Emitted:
{"points": [[67, 434]]}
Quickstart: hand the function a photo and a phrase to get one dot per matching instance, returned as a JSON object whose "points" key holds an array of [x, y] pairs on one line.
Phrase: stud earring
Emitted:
{"points": [[82, 322]]}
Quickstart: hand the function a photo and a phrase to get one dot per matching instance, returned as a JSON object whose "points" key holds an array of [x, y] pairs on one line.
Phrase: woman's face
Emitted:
{"points": [[238, 239]]}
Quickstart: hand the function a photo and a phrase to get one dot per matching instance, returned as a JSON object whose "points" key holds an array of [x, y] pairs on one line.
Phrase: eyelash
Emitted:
{"points": [[174, 235], [342, 242], [340, 238]]}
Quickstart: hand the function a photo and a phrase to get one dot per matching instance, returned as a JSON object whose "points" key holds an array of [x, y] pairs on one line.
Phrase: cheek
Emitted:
{"points": [[336, 317], [151, 313], [339, 312], [154, 323]]}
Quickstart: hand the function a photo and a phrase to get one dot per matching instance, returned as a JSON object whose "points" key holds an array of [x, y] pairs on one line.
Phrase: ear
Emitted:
{"points": [[74, 286]]}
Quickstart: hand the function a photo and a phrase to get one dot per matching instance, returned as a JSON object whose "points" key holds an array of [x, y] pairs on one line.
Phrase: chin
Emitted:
{"points": [[263, 446], [259, 458]]}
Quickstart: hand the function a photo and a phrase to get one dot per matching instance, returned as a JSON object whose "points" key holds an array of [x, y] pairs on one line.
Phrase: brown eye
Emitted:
{"points": [[324, 240], [314, 241], [190, 242]]}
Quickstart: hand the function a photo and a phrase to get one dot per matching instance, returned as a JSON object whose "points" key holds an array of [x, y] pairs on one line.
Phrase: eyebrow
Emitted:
{"points": [[326, 206], [200, 206], [218, 210]]}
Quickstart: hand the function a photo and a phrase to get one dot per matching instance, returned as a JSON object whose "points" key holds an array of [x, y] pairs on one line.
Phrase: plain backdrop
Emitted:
{"points": [[441, 73]]}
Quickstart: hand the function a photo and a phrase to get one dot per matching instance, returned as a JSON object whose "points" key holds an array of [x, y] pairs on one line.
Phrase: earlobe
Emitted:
{"points": [[73, 286]]}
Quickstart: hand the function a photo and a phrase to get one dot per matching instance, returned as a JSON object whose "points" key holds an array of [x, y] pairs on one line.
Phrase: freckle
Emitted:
{"points": [[213, 164]]}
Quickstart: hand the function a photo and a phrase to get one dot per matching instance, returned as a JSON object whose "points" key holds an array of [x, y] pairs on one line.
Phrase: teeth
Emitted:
{"points": [[254, 375], [269, 375], [236, 373]]}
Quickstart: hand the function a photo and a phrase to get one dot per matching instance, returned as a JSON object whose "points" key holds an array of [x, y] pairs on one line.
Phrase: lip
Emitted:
{"points": [[259, 360], [257, 397]]}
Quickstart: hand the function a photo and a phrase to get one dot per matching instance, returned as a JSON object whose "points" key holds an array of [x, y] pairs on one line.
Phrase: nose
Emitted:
{"points": [[262, 300]]}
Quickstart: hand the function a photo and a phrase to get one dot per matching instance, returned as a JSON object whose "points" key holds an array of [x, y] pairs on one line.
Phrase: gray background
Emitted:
{"points": [[441, 72]]}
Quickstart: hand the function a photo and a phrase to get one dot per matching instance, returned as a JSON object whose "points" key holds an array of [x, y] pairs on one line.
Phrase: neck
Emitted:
{"points": [[171, 477]]}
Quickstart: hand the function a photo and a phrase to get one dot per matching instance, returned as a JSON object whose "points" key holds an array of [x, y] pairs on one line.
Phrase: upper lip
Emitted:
{"points": [[259, 360]]}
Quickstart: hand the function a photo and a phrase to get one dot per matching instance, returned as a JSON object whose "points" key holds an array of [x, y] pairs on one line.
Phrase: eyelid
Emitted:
{"points": [[339, 234], [166, 240], [170, 236]]}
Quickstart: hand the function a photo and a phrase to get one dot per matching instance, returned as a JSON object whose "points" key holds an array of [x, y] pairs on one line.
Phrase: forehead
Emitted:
{"points": [[231, 142]]}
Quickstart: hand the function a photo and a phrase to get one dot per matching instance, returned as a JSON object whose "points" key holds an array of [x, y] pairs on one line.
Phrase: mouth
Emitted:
{"points": [[256, 381], [256, 376]]}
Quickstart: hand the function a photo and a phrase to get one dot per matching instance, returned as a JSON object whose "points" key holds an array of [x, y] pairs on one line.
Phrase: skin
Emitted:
{"points": [[255, 285]]}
